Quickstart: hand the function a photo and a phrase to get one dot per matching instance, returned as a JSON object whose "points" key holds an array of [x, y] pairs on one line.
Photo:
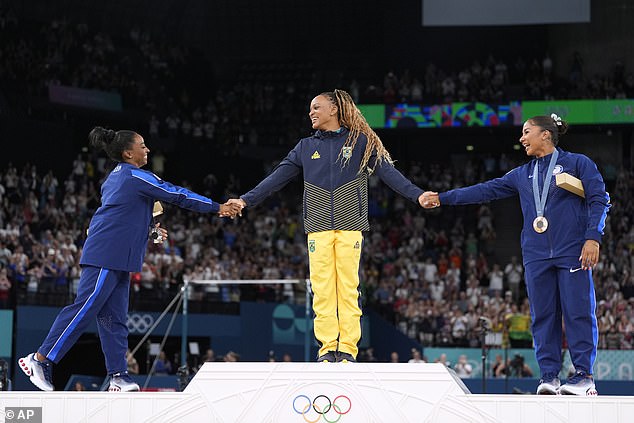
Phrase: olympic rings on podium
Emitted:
{"points": [[322, 405]]}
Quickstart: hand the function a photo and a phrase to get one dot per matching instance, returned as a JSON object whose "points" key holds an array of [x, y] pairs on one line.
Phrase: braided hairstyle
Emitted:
{"points": [[351, 117], [114, 143], [552, 124]]}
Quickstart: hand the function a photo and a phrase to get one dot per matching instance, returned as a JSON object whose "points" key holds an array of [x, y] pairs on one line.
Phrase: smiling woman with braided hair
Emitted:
{"points": [[336, 162]]}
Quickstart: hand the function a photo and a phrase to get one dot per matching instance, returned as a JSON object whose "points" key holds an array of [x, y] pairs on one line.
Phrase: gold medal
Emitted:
{"points": [[540, 224]]}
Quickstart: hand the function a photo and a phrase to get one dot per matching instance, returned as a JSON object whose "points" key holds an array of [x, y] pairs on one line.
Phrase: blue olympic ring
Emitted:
{"points": [[321, 410]]}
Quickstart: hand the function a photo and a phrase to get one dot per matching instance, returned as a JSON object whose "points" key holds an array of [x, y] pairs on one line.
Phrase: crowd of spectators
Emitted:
{"points": [[176, 97], [498, 80], [432, 273], [427, 271]]}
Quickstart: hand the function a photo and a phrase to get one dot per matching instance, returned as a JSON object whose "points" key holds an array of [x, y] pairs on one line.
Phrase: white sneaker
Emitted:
{"points": [[39, 372], [122, 382], [548, 386], [580, 384]]}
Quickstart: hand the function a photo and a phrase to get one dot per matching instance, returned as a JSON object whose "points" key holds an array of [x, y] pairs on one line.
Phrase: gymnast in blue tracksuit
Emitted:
{"points": [[115, 246], [560, 242]]}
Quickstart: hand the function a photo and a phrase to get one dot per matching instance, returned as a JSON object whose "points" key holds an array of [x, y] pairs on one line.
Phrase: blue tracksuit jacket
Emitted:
{"points": [[116, 245], [556, 285], [119, 230], [335, 196], [571, 219]]}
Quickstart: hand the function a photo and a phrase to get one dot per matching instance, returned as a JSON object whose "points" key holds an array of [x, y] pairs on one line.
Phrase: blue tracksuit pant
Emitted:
{"points": [[559, 287], [102, 294]]}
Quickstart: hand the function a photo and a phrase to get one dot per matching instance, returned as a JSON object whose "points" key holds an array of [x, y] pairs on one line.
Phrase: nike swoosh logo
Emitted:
{"points": [[575, 270], [530, 176]]}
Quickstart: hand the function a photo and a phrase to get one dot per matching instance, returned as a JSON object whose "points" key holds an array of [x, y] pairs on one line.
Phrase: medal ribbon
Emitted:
{"points": [[540, 203]]}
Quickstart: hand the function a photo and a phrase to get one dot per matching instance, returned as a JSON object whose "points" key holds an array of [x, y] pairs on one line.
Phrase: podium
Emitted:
{"points": [[317, 392], [346, 392]]}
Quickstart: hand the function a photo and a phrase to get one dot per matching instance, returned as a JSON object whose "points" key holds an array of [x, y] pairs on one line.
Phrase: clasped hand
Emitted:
{"points": [[429, 200], [232, 208]]}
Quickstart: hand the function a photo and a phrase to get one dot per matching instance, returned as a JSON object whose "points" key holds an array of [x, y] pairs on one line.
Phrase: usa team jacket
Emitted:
{"points": [[571, 219], [335, 196], [119, 230]]}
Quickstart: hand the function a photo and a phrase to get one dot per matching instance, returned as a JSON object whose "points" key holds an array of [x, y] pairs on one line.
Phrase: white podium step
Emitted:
{"points": [[316, 392]]}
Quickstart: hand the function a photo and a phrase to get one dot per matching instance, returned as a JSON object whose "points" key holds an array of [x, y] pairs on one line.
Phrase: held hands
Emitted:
{"points": [[232, 208], [429, 200], [589, 254]]}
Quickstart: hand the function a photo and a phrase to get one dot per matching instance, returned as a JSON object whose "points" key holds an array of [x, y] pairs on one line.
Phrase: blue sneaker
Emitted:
{"points": [[548, 385], [39, 372], [122, 382], [580, 384]]}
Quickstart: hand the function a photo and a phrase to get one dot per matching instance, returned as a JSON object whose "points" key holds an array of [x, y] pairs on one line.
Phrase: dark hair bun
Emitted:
{"points": [[100, 137], [562, 127]]}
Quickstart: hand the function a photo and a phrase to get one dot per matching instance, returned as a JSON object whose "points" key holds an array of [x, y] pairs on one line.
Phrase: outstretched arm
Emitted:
{"points": [[153, 187], [494, 189]]}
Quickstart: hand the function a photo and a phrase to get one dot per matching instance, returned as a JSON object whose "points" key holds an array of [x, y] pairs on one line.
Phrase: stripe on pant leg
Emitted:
{"points": [[52, 355]]}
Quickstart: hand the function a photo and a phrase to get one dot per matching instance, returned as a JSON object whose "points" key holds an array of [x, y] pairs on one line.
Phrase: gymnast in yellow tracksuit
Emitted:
{"points": [[336, 162]]}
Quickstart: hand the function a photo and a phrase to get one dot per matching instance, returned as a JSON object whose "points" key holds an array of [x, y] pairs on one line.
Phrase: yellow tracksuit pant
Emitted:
{"points": [[334, 260]]}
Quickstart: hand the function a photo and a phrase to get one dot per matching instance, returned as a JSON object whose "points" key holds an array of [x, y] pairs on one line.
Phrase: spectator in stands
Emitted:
{"points": [[368, 355], [133, 365], [463, 368], [5, 288], [515, 367], [443, 359], [560, 243], [231, 356], [497, 364], [417, 357], [162, 366], [115, 246], [513, 272], [518, 327], [209, 356], [336, 163], [79, 386]]}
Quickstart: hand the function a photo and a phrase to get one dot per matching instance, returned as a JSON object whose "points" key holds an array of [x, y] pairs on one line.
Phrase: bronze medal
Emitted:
{"points": [[540, 224]]}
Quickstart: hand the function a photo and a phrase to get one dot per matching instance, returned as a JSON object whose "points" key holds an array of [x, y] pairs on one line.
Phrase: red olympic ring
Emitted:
{"points": [[349, 404], [332, 405]]}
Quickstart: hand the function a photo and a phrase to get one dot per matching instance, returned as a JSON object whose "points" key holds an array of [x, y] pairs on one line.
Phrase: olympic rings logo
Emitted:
{"points": [[323, 407], [139, 323]]}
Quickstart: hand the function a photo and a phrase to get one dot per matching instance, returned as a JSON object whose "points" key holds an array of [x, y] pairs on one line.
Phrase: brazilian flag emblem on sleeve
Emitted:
{"points": [[311, 245]]}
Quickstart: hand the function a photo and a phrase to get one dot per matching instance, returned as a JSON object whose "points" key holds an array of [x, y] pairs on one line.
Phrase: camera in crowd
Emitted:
{"points": [[517, 364]]}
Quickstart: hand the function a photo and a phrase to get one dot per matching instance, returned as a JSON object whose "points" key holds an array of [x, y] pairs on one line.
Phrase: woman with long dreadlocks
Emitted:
{"points": [[336, 162]]}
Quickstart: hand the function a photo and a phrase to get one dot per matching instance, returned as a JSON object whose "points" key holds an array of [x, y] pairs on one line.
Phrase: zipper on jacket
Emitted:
{"points": [[332, 193]]}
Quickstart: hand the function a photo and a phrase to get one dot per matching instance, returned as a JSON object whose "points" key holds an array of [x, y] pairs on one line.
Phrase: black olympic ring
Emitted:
{"points": [[321, 411]]}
